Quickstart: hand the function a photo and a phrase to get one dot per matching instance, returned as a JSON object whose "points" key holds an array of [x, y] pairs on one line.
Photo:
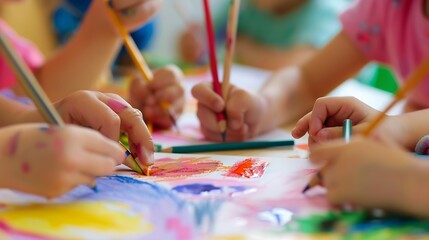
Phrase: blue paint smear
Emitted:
{"points": [[205, 189], [153, 202]]}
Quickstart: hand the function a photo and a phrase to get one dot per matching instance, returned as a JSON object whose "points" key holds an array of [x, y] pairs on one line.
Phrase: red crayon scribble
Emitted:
{"points": [[183, 167], [115, 105], [302, 146], [248, 168], [13, 144], [25, 167]]}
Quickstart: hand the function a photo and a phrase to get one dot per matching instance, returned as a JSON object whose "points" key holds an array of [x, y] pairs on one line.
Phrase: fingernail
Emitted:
{"points": [[148, 155]]}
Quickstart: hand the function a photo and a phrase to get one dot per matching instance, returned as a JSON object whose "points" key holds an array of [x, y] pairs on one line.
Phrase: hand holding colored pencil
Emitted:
{"points": [[412, 81], [137, 57], [221, 118], [317, 179]]}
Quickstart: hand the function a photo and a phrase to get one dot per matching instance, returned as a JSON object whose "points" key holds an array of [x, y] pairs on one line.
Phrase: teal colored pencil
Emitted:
{"points": [[228, 146], [347, 134]]}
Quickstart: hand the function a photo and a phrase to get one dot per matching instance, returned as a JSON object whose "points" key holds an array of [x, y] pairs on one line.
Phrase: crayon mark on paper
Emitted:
{"points": [[248, 168]]}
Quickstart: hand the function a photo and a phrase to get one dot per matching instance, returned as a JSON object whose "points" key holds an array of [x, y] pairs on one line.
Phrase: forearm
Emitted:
{"points": [[288, 98], [83, 60], [413, 125], [15, 112]]}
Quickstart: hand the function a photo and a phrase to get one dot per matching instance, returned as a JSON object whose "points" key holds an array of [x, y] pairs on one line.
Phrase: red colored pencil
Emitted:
{"points": [[213, 66]]}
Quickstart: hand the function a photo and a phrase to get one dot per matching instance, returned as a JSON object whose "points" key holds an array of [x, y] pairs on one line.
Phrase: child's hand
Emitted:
{"points": [[132, 13], [153, 98], [371, 174], [244, 112], [50, 161], [191, 44], [110, 115], [326, 120]]}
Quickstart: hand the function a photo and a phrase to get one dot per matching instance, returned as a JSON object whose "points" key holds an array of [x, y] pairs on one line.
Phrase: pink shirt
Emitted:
{"points": [[29, 53], [394, 32]]}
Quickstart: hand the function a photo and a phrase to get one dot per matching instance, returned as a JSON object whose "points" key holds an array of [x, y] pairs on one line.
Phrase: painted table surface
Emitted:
{"points": [[255, 194]]}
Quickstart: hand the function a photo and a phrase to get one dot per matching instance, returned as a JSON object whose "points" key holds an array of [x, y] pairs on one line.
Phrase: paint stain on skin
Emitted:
{"points": [[115, 105], [58, 145], [184, 166], [48, 129], [41, 145], [13, 144], [248, 168], [25, 167], [208, 189]]}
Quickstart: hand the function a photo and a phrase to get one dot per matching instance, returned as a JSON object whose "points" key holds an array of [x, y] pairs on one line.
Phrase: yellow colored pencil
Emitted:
{"points": [[136, 56]]}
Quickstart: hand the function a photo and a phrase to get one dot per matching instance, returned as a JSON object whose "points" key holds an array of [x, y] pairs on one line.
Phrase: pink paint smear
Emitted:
{"points": [[183, 167], [248, 168]]}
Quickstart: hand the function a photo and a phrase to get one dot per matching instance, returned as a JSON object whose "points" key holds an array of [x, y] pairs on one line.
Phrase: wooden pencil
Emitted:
{"points": [[30, 84], [412, 81], [137, 57], [227, 146], [231, 35], [221, 119]]}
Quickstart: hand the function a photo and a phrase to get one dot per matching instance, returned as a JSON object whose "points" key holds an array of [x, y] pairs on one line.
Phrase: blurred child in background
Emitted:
{"points": [[389, 32], [90, 52], [284, 31]]}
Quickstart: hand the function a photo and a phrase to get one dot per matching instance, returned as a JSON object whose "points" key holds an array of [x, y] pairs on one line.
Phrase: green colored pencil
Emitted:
{"points": [[227, 146], [347, 130]]}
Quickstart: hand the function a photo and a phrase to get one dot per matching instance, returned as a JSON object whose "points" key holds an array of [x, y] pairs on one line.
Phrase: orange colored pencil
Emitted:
{"points": [[412, 81]]}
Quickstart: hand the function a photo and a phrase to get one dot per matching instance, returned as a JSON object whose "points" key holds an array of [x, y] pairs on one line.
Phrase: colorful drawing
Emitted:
{"points": [[179, 202]]}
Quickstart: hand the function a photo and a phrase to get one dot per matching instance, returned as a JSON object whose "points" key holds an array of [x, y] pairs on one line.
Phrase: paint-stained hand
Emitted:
{"points": [[325, 121], [372, 174], [132, 13], [50, 161], [244, 112], [110, 115], [162, 100]]}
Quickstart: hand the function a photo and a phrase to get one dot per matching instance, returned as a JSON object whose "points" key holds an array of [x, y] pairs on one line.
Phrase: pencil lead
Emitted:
{"points": [[223, 135], [306, 189]]}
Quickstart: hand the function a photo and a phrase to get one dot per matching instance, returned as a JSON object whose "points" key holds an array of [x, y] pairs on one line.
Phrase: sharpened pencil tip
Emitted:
{"points": [[223, 135], [306, 189]]}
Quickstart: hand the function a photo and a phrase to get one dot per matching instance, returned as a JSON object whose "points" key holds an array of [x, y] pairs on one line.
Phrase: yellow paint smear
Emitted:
{"points": [[77, 219]]}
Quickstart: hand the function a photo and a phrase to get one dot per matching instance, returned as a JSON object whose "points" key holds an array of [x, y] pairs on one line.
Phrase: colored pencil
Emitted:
{"points": [[32, 87], [416, 77], [137, 57], [231, 35], [221, 119], [347, 130], [412, 81], [227, 146], [317, 179], [30, 84]]}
